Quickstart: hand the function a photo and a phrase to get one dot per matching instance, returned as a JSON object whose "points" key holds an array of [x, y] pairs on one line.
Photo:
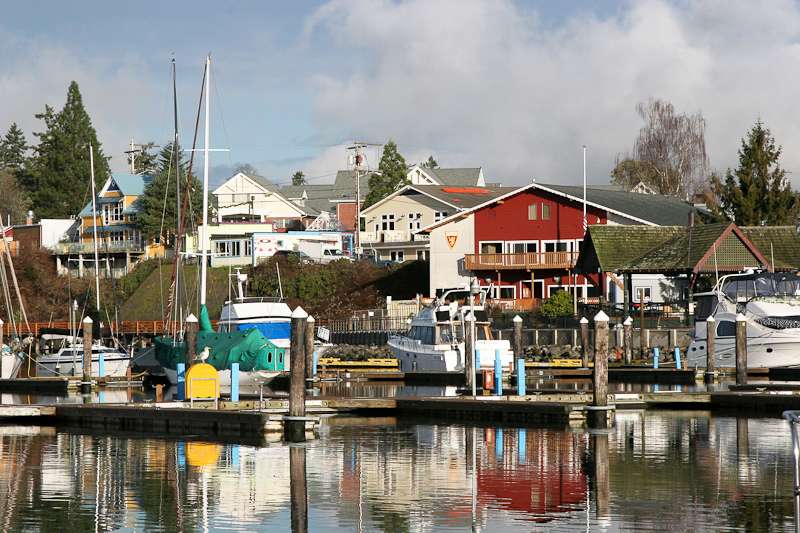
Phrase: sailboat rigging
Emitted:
{"points": [[259, 358]]}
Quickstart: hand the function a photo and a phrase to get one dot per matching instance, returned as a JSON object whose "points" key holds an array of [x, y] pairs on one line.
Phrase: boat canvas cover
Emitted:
{"points": [[250, 348]]}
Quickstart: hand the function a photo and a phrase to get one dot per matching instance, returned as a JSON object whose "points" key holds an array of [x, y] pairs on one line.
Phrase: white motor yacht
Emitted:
{"points": [[770, 304]]}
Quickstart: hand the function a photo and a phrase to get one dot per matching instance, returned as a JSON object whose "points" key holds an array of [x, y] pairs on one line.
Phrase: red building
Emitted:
{"points": [[526, 243]]}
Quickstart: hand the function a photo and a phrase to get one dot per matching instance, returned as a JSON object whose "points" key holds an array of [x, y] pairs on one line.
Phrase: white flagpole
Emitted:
{"points": [[584, 190]]}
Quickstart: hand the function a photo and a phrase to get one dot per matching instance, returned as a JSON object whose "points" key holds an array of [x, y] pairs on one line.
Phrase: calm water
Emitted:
{"points": [[654, 471]]}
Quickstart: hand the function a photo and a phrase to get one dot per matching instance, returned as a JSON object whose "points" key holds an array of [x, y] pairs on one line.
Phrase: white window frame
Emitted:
{"points": [[511, 244], [569, 242], [387, 222], [414, 221], [646, 290], [438, 216], [112, 213], [227, 248], [397, 256]]}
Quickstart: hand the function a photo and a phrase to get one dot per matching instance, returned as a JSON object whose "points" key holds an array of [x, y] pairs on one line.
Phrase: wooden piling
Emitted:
{"points": [[517, 338], [741, 350], [600, 372], [86, 383], [294, 424], [310, 329], [627, 340], [711, 333], [584, 342], [191, 341]]}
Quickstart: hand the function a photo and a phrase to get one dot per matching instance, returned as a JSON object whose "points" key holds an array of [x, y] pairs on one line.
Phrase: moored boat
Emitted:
{"points": [[68, 361], [769, 303], [435, 340]]}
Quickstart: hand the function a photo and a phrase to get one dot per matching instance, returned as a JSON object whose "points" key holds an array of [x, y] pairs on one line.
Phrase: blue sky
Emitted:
{"points": [[516, 88]]}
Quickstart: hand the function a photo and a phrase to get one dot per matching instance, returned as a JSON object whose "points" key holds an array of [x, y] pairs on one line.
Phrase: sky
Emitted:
{"points": [[517, 88]]}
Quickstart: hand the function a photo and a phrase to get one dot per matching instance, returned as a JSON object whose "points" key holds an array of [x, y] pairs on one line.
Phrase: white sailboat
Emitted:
{"points": [[261, 359]]}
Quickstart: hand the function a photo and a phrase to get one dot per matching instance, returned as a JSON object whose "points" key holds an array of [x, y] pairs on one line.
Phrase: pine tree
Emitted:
{"points": [[757, 193], [298, 178], [158, 200], [394, 174], [59, 180], [14, 200], [13, 148]]}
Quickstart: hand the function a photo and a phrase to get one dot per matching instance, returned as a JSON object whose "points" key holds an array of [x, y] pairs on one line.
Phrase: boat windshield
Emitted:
{"points": [[744, 288]]}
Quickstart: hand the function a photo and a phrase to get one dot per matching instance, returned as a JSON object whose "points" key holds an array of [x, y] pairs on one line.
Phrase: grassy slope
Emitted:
{"points": [[149, 300]]}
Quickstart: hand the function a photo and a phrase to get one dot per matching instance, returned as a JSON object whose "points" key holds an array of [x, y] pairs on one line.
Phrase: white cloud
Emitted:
{"points": [[485, 84]]}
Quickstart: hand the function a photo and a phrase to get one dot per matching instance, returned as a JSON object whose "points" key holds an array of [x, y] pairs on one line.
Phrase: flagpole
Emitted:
{"points": [[584, 190]]}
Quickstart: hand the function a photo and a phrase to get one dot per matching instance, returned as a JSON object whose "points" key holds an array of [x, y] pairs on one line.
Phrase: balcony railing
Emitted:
{"points": [[525, 261], [88, 247]]}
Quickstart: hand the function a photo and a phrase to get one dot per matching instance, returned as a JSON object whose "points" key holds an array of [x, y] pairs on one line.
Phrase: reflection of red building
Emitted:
{"points": [[550, 478]]}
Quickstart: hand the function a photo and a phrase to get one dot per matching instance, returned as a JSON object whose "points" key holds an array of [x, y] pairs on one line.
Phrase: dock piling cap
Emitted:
{"points": [[601, 317]]}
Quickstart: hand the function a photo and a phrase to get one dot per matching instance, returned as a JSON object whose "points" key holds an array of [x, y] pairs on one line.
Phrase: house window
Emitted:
{"points": [[414, 221], [639, 292], [558, 246], [387, 222], [439, 215], [522, 247], [113, 213], [115, 236], [227, 248], [533, 212], [545, 211], [397, 256], [248, 248]]}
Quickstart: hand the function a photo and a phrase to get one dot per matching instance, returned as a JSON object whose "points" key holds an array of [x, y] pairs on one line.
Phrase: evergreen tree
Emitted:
{"points": [[430, 163], [298, 178], [394, 174], [158, 216], [59, 180], [143, 161], [14, 200], [757, 193], [13, 148]]}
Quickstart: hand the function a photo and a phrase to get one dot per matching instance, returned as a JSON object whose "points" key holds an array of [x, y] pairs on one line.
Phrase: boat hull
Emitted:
{"points": [[774, 353], [412, 356], [113, 365]]}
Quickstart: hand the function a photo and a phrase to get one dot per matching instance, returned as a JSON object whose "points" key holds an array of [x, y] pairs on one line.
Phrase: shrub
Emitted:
{"points": [[559, 304]]}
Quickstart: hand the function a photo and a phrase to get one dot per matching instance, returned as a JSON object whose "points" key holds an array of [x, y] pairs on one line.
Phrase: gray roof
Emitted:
{"points": [[654, 208], [462, 177], [264, 182]]}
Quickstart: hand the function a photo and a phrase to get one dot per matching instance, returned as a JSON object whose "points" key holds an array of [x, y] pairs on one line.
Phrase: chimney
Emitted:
{"points": [[29, 218], [691, 219]]}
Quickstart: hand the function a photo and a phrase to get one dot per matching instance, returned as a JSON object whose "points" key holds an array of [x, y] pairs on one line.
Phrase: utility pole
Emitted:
{"points": [[357, 159], [133, 151]]}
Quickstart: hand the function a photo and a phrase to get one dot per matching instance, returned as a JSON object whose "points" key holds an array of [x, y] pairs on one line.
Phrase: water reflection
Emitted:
{"points": [[662, 471]]}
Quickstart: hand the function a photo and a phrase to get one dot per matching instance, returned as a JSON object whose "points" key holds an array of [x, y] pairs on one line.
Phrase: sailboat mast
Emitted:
{"points": [[94, 217], [176, 240], [204, 266]]}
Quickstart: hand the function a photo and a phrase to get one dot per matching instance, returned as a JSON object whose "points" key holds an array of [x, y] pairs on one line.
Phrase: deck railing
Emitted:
{"points": [[522, 261]]}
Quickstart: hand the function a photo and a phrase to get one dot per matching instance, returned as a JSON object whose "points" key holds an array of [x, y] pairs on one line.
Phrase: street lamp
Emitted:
{"points": [[473, 291]]}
